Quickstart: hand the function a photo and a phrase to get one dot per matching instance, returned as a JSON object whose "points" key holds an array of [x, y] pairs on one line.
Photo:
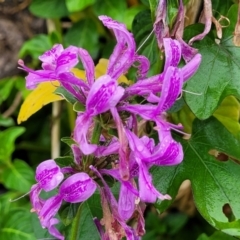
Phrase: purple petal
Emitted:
{"points": [[50, 57], [103, 95], [50, 209], [53, 230], [77, 188], [123, 148], [88, 65], [137, 146], [36, 201], [143, 66], [208, 22], [115, 174], [77, 154], [126, 202], [112, 148], [146, 111], [172, 53], [147, 192], [188, 52], [123, 56], [171, 88], [160, 26], [67, 60], [145, 87], [48, 175], [36, 77], [191, 67], [83, 123], [168, 151]]}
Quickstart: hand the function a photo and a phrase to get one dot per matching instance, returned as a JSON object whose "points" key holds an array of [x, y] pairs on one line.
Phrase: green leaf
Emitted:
{"points": [[68, 212], [6, 205], [214, 183], [49, 8], [6, 122], [7, 139], [39, 232], [78, 5], [216, 236], [218, 74], [17, 225], [78, 107], [130, 15], [68, 140], [64, 161], [18, 176], [83, 34], [6, 86], [82, 226], [113, 9], [36, 46], [65, 94]]}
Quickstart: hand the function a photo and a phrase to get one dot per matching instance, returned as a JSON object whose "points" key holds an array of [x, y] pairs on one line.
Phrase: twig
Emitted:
{"points": [[17, 100]]}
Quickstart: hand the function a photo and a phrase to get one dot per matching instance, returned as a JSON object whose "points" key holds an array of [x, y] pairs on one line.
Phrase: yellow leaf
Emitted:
{"points": [[40, 96], [101, 69], [228, 114], [43, 94], [79, 73]]}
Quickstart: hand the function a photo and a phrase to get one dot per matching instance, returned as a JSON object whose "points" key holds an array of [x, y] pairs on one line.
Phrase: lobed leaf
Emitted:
{"points": [[214, 183]]}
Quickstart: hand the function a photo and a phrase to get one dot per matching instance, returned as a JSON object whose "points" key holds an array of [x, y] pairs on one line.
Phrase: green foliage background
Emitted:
{"points": [[214, 125]]}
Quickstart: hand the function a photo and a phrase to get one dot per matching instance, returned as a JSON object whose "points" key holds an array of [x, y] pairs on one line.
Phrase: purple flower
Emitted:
{"points": [[48, 176], [123, 54], [57, 64], [142, 150], [77, 188], [103, 95]]}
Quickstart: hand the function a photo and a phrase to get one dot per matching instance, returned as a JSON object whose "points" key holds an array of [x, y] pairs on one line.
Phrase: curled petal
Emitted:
{"points": [[36, 201], [171, 88], [123, 55], [49, 58], [168, 152], [82, 126], [172, 53], [143, 66], [147, 192], [77, 188], [191, 67], [49, 210], [208, 22], [188, 52], [77, 154], [160, 26], [53, 230], [48, 175], [103, 95], [88, 65]]}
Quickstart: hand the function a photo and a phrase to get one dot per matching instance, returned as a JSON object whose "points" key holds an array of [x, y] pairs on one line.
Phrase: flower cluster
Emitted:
{"points": [[107, 133]]}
